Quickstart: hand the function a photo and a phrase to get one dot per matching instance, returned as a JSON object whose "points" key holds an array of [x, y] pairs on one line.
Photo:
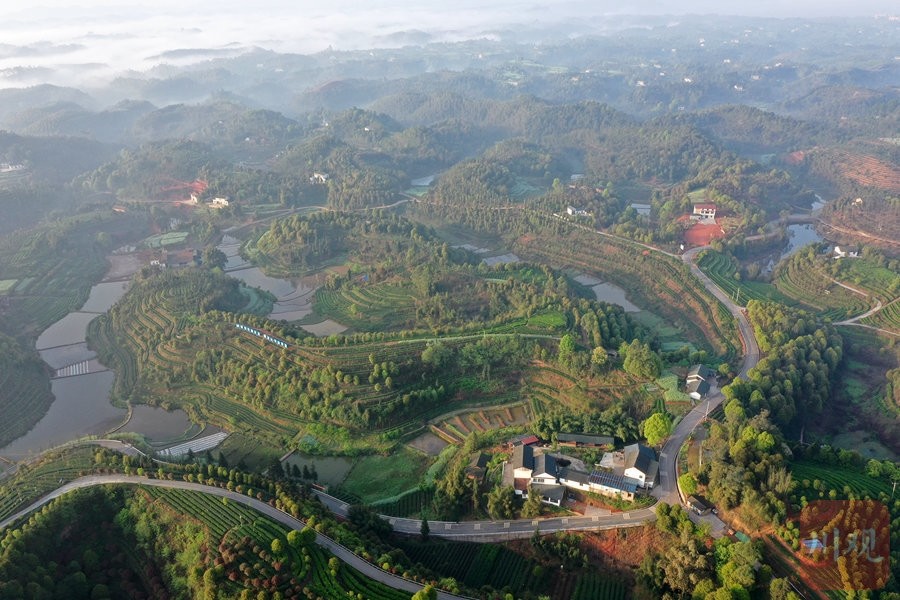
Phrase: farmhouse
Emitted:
{"points": [[543, 474], [610, 484], [577, 212], [550, 494], [641, 465], [477, 467], [698, 381], [697, 389], [698, 504], [700, 373], [704, 211], [578, 440]]}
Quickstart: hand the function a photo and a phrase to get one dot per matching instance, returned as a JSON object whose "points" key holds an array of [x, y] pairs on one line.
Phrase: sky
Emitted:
{"points": [[97, 38]]}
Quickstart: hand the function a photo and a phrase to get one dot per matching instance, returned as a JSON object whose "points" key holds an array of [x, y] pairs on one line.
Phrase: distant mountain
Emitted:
{"points": [[15, 100], [112, 125]]}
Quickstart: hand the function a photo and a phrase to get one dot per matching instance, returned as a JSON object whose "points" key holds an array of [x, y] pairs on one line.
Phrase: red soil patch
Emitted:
{"points": [[701, 235], [794, 158], [870, 171]]}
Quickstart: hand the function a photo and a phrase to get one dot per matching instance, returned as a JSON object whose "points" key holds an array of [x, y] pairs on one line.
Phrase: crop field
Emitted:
{"points": [[32, 482], [674, 397], [455, 429], [806, 282], [379, 307], [7, 285], [887, 318], [597, 587], [476, 564], [56, 264], [246, 535], [720, 269], [548, 385], [375, 477], [846, 481], [864, 274], [163, 240], [658, 282]]}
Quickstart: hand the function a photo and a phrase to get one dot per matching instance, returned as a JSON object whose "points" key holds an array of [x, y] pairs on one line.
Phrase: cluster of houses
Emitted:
{"points": [[621, 474], [176, 259], [216, 202]]}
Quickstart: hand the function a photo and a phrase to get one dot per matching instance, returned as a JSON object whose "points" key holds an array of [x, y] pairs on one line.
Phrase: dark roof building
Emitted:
{"points": [[545, 467], [697, 389], [701, 372], [523, 457], [611, 481], [583, 439], [641, 464], [550, 494], [477, 466]]}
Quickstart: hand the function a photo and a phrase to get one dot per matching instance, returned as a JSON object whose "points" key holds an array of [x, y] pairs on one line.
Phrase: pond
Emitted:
{"points": [[70, 329], [81, 408], [798, 237], [332, 470], [63, 356], [81, 402], [607, 292], [157, 424], [104, 295]]}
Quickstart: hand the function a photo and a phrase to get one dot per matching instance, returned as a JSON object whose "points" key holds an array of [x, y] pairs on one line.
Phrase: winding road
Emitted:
{"points": [[665, 490], [368, 569]]}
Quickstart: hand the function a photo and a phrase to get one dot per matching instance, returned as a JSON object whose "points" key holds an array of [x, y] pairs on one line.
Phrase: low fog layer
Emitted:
{"points": [[60, 43]]}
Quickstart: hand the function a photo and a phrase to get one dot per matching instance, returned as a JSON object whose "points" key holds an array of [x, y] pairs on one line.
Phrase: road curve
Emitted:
{"points": [[667, 490], [368, 569]]}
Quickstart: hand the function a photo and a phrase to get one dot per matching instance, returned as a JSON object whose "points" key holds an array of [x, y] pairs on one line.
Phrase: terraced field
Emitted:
{"points": [[455, 429], [32, 482], [657, 282], [380, 307], [549, 386], [807, 284], [721, 270], [887, 318]]}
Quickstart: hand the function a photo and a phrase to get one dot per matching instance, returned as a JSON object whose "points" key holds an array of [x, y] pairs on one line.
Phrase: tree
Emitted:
{"points": [[424, 530], [688, 484], [214, 258], [533, 504], [566, 350], [599, 357], [277, 546], [641, 361], [501, 502], [656, 428], [426, 593]]}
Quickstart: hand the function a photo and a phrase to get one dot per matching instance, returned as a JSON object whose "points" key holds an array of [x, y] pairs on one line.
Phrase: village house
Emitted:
{"points": [[219, 202], [704, 210], [579, 440], [698, 381], [319, 178], [477, 467], [698, 504], [641, 465]]}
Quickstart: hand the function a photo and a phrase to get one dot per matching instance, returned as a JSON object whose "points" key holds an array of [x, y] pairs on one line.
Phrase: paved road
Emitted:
{"points": [[485, 531], [341, 552]]}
